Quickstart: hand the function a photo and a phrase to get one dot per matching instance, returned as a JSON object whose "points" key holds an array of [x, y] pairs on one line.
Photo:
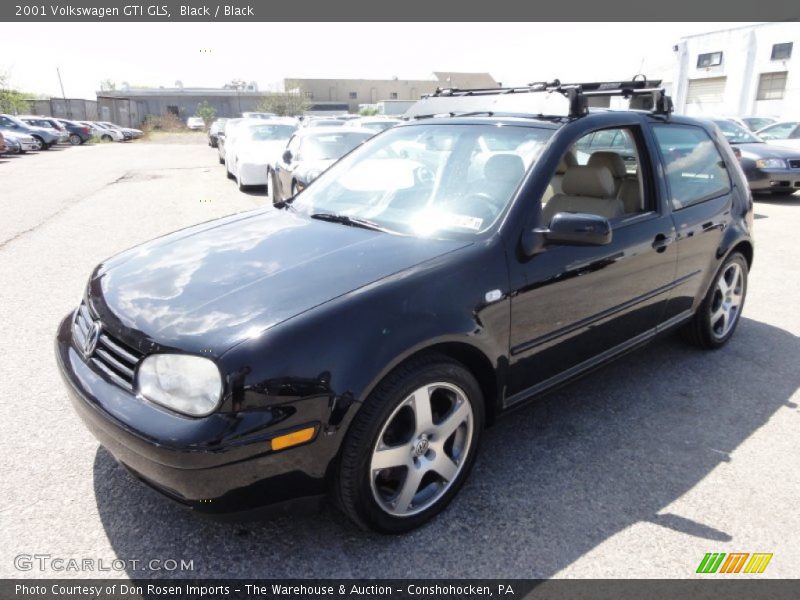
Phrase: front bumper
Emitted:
{"points": [[218, 464], [775, 180]]}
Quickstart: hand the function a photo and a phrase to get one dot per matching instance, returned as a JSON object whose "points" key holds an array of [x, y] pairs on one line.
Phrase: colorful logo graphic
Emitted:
{"points": [[735, 562]]}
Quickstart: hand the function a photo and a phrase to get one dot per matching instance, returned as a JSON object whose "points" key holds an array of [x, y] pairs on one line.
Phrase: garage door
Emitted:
{"points": [[706, 91]]}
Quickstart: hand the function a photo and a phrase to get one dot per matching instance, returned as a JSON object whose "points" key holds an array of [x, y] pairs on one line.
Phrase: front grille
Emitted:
{"points": [[110, 356], [794, 163]]}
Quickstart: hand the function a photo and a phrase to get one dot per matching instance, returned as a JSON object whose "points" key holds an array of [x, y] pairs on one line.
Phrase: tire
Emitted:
{"points": [[387, 430], [106, 138], [713, 324], [242, 188], [40, 141], [220, 159], [75, 139]]}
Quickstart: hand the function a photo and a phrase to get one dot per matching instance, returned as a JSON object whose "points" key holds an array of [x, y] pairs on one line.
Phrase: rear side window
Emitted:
{"points": [[695, 169]]}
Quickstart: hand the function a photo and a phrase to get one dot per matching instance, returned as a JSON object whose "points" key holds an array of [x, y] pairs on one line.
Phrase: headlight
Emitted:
{"points": [[187, 384], [770, 163]]}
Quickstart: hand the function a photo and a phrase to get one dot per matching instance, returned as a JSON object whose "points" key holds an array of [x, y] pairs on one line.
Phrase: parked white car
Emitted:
{"points": [[256, 145], [376, 124], [782, 133], [195, 123], [104, 133]]}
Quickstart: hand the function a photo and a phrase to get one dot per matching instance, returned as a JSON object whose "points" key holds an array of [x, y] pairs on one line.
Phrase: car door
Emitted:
{"points": [[573, 306], [285, 168], [700, 192]]}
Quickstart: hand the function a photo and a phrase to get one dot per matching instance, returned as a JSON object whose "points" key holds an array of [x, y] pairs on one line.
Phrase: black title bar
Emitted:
{"points": [[402, 10], [713, 587]]}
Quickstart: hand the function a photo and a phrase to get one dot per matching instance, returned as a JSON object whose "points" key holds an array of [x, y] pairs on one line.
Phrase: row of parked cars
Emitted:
{"points": [[25, 133], [769, 156], [285, 154]]}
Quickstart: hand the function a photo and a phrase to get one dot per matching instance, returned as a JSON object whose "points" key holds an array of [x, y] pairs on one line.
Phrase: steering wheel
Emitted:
{"points": [[479, 204]]}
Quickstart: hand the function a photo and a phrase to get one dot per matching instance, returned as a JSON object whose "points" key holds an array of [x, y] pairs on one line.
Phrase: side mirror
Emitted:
{"points": [[568, 229], [287, 156]]}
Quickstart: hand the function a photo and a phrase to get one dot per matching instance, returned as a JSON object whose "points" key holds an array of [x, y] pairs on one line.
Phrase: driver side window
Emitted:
{"points": [[600, 175]]}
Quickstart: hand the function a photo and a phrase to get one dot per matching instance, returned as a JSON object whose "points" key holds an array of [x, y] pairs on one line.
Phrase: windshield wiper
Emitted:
{"points": [[348, 220]]}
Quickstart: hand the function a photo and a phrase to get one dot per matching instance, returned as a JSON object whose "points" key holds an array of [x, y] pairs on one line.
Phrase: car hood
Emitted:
{"points": [[213, 285], [760, 150], [789, 146]]}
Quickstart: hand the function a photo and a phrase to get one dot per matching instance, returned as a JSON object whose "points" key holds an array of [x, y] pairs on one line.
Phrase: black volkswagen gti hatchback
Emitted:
{"points": [[356, 340]]}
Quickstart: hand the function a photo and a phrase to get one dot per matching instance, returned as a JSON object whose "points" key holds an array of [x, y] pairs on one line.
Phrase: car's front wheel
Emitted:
{"points": [[411, 445], [717, 317]]}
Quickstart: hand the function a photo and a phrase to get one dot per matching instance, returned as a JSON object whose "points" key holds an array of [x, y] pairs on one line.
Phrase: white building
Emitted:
{"points": [[751, 70]]}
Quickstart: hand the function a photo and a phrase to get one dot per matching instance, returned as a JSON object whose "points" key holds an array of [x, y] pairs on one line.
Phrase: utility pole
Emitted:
{"points": [[63, 95]]}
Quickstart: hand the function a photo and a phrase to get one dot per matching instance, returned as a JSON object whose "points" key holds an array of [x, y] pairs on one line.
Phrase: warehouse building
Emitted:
{"points": [[357, 92], [129, 107], [751, 70]]}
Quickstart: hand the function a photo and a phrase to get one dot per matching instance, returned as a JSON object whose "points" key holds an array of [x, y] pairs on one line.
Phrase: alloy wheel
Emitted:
{"points": [[421, 449], [726, 303]]}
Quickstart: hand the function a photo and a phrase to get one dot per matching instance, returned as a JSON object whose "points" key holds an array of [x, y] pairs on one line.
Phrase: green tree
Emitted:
{"points": [[368, 111], [11, 101], [285, 104], [206, 112]]}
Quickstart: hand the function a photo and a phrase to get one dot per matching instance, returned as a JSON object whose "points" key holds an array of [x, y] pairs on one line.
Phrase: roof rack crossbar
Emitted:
{"points": [[579, 93]]}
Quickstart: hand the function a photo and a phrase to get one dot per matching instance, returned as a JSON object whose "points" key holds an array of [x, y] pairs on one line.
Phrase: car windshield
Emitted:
{"points": [[735, 133], [39, 123], [429, 180], [264, 133], [756, 123], [330, 146]]}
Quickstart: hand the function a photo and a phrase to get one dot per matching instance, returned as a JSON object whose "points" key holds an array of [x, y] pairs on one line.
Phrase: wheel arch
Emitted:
{"points": [[745, 247], [471, 357]]}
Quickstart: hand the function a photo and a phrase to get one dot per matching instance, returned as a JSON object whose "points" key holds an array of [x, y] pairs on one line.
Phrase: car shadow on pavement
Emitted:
{"points": [[552, 481], [790, 199]]}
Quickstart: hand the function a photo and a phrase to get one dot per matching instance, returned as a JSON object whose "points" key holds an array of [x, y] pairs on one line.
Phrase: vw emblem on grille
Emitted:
{"points": [[92, 336]]}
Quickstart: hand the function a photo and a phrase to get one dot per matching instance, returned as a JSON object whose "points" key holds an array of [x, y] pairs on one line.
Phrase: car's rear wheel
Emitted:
{"points": [[40, 143], [717, 317], [75, 139], [106, 138], [411, 445]]}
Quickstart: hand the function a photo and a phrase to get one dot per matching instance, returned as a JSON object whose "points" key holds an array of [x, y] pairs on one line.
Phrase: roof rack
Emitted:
{"points": [[644, 94]]}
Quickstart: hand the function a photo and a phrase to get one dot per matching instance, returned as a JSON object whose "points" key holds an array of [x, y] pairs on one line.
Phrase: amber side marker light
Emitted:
{"points": [[288, 440]]}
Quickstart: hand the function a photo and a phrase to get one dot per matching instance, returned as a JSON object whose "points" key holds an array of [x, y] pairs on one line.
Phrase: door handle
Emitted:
{"points": [[662, 241]]}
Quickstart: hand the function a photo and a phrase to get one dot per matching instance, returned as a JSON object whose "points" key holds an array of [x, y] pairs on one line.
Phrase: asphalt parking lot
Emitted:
{"points": [[637, 470]]}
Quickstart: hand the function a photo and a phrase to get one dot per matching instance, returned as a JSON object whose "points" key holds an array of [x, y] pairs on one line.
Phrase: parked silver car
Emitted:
{"points": [[44, 136]]}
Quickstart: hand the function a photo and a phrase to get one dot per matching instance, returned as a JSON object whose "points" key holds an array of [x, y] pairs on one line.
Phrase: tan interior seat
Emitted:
{"points": [[567, 161], [586, 190], [626, 187]]}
